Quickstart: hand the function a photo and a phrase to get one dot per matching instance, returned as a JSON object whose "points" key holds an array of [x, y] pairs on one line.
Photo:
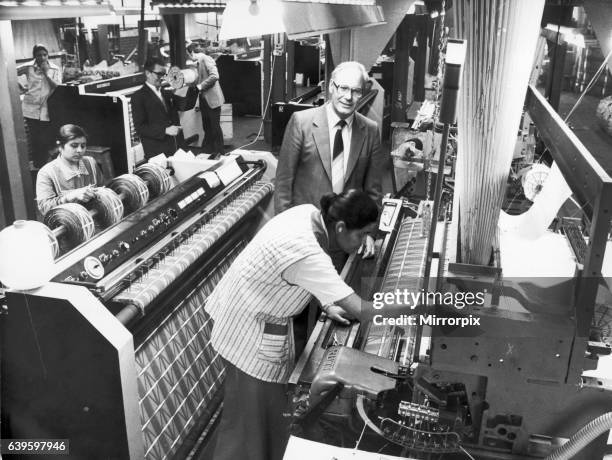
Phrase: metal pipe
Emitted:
{"points": [[436, 205], [582, 438]]}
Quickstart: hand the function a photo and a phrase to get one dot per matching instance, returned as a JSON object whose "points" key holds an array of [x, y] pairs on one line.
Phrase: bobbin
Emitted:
{"points": [[132, 190], [71, 224], [156, 177], [107, 207]]}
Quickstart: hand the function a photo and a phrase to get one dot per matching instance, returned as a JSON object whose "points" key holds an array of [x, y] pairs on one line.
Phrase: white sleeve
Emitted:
{"points": [[317, 275]]}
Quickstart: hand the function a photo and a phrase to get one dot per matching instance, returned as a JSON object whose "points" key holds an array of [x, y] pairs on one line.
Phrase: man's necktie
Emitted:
{"points": [[160, 96], [338, 159]]}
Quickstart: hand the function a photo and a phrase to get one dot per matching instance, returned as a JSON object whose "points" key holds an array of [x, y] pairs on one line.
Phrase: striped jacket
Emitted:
{"points": [[252, 306]]}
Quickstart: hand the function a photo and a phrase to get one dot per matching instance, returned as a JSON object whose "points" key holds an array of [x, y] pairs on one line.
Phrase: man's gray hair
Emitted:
{"points": [[351, 65]]}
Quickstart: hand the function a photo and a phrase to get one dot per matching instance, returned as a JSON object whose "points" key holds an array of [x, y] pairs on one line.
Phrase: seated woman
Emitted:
{"points": [[252, 307], [71, 177]]}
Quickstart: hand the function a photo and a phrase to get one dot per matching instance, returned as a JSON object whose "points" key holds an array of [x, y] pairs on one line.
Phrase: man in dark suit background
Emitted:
{"points": [[331, 148], [155, 113]]}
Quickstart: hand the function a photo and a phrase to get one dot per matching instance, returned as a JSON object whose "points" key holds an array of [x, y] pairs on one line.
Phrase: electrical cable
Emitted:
{"points": [[466, 453], [360, 437], [263, 118], [582, 438]]}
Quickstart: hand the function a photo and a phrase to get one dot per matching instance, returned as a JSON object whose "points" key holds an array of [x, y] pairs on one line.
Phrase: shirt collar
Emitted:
{"points": [[155, 90], [333, 118], [319, 229], [69, 172]]}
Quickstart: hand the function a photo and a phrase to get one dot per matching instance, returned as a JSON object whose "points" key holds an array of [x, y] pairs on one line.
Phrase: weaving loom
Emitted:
{"points": [[514, 385], [114, 355]]}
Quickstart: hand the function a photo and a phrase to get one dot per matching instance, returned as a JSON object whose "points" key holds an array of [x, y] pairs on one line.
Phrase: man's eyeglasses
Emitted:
{"points": [[161, 74], [344, 90]]}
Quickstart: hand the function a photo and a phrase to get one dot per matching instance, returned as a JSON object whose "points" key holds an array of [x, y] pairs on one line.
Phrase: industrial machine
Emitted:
{"points": [[103, 107], [515, 371], [113, 355], [505, 378]]}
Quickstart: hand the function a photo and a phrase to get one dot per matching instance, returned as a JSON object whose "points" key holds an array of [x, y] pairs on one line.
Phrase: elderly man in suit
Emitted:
{"points": [[211, 100], [155, 113], [331, 148]]}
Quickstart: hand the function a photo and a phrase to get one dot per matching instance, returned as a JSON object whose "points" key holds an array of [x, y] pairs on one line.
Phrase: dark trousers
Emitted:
{"points": [[211, 123], [252, 425], [41, 140]]}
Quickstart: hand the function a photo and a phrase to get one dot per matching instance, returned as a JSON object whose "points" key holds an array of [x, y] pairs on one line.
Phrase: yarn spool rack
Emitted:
{"points": [[71, 224]]}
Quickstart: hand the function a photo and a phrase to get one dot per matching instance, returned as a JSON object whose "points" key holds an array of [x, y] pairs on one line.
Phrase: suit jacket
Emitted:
{"points": [[303, 174], [208, 77], [151, 118]]}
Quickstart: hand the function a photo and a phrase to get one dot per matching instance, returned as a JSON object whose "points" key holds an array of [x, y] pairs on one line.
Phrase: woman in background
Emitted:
{"points": [[71, 177], [43, 77]]}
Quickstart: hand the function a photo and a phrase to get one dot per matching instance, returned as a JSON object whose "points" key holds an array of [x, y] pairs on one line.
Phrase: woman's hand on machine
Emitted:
{"points": [[83, 194], [337, 313], [367, 247]]}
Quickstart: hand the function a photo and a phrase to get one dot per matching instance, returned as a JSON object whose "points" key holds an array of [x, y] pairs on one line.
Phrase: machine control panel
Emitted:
{"points": [[116, 245]]}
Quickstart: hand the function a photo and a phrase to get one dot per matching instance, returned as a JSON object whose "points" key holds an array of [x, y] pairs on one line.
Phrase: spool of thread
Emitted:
{"points": [[76, 220], [134, 190], [108, 207], [181, 77], [26, 258], [156, 178]]}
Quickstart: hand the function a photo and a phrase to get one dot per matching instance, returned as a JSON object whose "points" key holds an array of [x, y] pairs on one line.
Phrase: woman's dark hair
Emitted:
{"points": [[68, 132], [353, 207], [38, 47], [418, 143]]}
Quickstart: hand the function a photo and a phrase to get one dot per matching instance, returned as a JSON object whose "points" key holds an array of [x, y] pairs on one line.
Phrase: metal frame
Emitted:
{"points": [[591, 185]]}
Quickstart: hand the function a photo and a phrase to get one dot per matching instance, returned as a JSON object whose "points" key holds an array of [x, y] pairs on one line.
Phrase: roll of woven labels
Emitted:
{"points": [[181, 77]]}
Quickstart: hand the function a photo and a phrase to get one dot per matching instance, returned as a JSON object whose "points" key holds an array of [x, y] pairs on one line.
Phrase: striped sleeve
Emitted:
{"points": [[317, 275]]}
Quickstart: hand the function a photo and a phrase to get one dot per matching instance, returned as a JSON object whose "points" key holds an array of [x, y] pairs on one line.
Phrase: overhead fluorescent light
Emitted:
{"points": [[251, 18], [568, 34]]}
